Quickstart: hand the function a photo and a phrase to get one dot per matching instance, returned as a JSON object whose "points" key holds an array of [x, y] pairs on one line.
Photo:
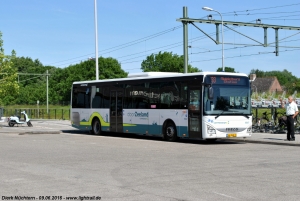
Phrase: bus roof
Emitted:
{"points": [[151, 74], [147, 75]]}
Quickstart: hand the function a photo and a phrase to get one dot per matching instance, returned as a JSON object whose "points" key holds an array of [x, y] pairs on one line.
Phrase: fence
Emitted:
{"points": [[63, 114]]}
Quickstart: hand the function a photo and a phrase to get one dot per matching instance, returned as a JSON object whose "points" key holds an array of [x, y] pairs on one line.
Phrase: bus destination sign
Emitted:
{"points": [[228, 80]]}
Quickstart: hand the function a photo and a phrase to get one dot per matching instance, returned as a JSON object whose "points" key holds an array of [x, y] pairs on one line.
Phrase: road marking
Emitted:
{"points": [[225, 195]]}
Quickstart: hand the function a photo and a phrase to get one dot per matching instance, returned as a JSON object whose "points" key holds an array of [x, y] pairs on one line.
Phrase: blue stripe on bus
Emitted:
{"points": [[153, 130]]}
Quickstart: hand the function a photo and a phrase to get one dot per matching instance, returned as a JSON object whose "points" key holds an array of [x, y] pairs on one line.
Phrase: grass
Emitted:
{"points": [[260, 112], [35, 106]]}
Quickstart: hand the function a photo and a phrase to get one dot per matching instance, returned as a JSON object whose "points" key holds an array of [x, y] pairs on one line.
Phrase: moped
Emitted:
{"points": [[17, 120]]}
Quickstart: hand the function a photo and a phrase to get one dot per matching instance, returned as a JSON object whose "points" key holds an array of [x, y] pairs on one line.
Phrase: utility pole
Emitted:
{"points": [[47, 91], [185, 39], [96, 41], [47, 83]]}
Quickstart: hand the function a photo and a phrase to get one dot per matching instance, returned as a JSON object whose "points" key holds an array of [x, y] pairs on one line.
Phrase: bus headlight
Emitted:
{"points": [[249, 130], [211, 130]]}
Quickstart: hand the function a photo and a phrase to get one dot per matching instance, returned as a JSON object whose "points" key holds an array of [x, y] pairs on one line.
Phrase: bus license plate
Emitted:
{"points": [[231, 135]]}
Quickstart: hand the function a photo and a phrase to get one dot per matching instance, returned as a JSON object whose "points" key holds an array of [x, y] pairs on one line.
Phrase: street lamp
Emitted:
{"points": [[96, 40], [210, 9]]}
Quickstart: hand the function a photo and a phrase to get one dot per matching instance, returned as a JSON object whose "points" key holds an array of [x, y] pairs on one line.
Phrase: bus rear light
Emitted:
{"points": [[211, 130]]}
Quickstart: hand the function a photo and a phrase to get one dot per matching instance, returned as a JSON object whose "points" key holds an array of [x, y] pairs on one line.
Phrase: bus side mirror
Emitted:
{"points": [[210, 93]]}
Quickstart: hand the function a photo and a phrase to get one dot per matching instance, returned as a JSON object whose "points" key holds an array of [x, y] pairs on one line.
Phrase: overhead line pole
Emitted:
{"points": [[186, 20]]}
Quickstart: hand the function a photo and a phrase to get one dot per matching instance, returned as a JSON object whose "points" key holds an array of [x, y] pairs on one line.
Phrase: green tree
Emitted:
{"points": [[258, 73], [227, 69], [8, 75], [166, 62], [284, 77], [33, 87], [62, 79]]}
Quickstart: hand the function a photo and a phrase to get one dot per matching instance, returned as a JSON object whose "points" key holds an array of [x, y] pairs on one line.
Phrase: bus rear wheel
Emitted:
{"points": [[96, 127], [170, 133]]}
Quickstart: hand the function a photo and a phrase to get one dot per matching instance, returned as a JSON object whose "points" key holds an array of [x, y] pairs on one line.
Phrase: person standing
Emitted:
{"points": [[291, 112]]}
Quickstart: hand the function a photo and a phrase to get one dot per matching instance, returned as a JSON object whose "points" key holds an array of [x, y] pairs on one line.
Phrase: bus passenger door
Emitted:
{"points": [[116, 111], [195, 129]]}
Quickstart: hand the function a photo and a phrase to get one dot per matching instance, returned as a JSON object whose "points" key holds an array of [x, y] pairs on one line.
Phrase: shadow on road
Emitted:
{"points": [[153, 138]]}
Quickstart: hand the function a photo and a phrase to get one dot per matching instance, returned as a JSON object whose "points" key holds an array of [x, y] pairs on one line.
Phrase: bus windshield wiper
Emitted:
{"points": [[220, 113], [246, 116], [226, 110]]}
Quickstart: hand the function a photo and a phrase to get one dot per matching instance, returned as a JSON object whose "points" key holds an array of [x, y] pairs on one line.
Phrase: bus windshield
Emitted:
{"points": [[227, 99]]}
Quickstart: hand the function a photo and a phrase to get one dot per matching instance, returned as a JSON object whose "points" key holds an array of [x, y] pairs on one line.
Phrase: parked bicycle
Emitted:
{"points": [[281, 128], [262, 124], [297, 124]]}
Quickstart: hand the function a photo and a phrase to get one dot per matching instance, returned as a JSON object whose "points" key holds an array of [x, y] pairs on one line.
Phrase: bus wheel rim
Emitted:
{"points": [[170, 131]]}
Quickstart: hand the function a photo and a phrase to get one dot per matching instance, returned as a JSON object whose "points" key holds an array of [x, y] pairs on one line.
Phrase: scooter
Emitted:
{"points": [[17, 120]]}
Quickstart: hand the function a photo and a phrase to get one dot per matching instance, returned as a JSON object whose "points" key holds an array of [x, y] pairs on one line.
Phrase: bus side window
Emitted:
{"points": [[154, 96], [80, 100], [169, 95], [81, 97], [127, 104], [141, 99], [97, 99], [183, 95], [106, 96], [136, 96]]}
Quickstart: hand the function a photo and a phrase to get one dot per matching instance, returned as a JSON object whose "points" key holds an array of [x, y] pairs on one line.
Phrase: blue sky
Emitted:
{"points": [[62, 32]]}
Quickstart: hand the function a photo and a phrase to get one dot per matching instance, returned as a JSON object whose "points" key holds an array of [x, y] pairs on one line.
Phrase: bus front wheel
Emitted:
{"points": [[96, 127], [170, 133]]}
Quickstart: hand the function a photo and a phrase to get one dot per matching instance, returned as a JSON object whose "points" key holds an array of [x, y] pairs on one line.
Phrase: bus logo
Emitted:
{"points": [[138, 114], [232, 129]]}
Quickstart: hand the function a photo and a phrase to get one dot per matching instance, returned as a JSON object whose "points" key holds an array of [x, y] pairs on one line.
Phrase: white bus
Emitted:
{"points": [[205, 105]]}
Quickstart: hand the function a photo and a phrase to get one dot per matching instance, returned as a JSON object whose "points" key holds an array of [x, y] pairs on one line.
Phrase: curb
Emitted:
{"points": [[40, 132], [263, 142]]}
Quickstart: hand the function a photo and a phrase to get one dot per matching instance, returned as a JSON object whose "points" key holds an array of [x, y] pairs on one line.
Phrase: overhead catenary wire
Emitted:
{"points": [[118, 47], [266, 8], [259, 53], [262, 13], [245, 55], [170, 46]]}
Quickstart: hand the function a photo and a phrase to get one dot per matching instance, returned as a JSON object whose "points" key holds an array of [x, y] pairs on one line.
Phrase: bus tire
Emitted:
{"points": [[96, 127], [170, 133]]}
